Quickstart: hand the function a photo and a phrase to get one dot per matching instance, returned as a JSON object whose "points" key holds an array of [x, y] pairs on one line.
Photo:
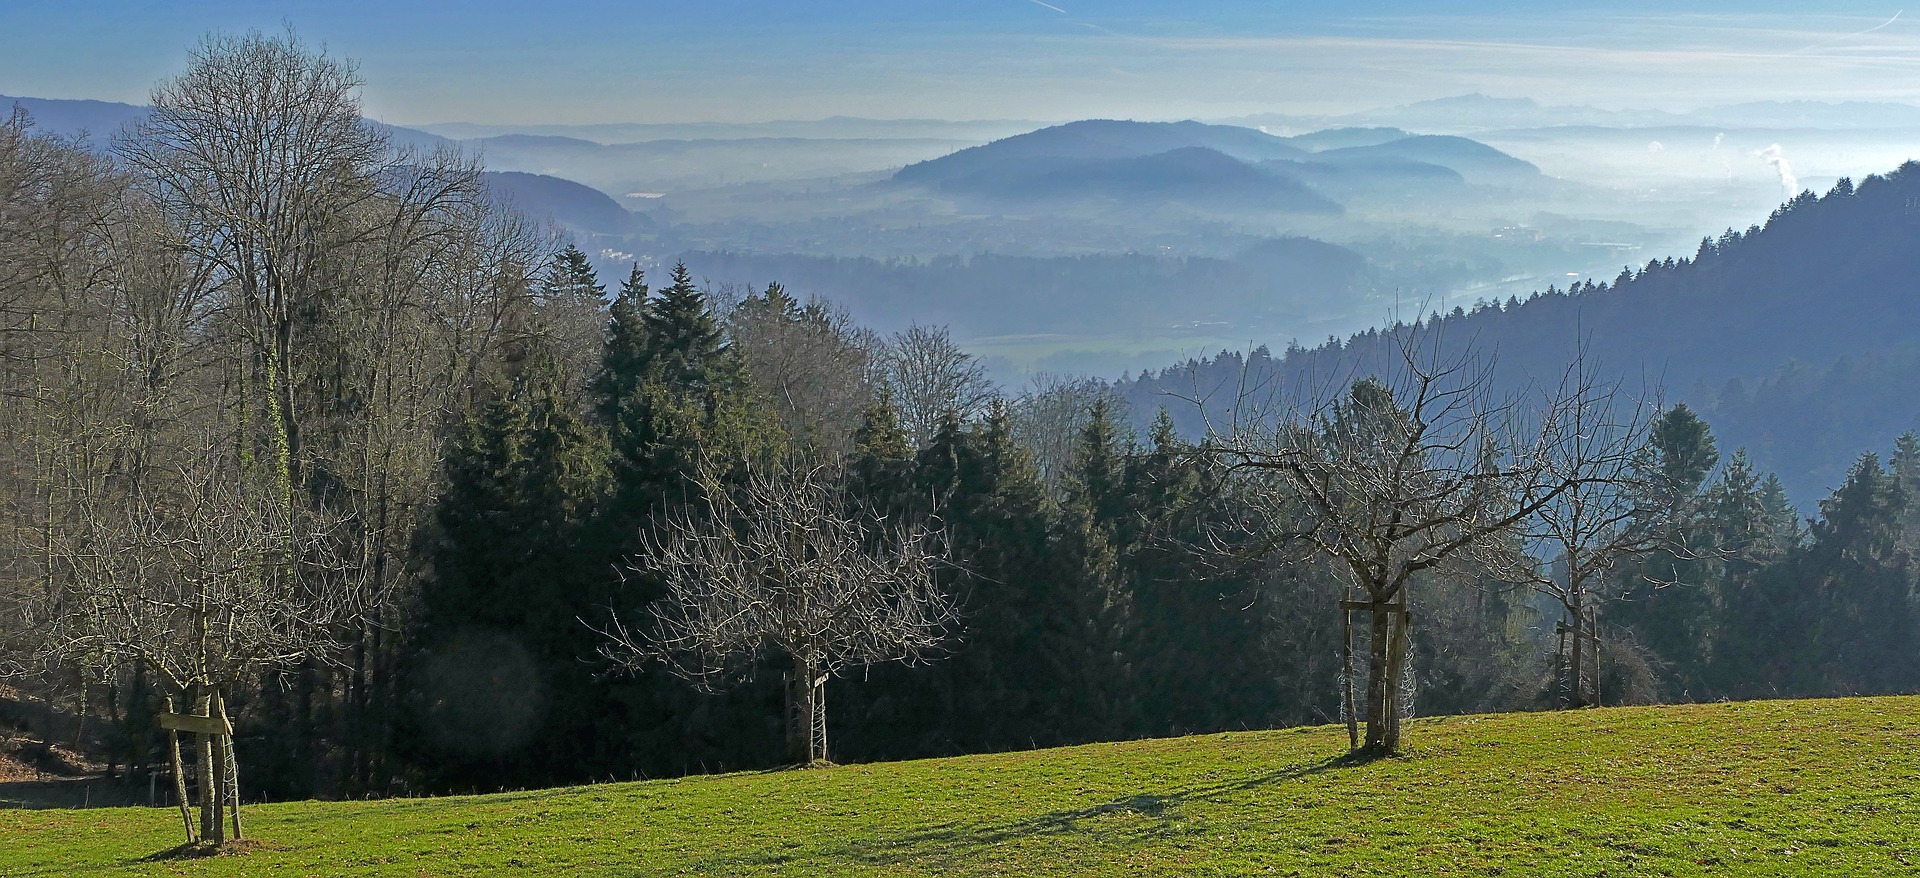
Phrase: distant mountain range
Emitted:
{"points": [[1215, 165], [832, 128], [1796, 341], [100, 120], [1478, 112]]}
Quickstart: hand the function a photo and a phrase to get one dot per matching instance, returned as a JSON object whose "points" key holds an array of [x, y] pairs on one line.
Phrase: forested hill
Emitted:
{"points": [[1797, 340]]}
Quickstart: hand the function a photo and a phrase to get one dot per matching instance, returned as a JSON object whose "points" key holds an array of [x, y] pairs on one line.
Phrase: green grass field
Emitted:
{"points": [[1765, 788]]}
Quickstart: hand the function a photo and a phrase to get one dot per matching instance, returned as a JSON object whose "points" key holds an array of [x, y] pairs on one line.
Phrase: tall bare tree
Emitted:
{"points": [[788, 565], [928, 376]]}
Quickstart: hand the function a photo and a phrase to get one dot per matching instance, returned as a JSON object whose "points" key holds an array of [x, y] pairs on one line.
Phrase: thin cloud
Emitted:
{"points": [[1844, 37]]}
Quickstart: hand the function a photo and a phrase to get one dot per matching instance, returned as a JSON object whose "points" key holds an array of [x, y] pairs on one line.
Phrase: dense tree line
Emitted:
{"points": [[1792, 335], [358, 459]]}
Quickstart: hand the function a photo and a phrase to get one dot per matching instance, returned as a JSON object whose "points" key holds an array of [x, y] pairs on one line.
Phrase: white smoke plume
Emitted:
{"points": [[1773, 156], [1656, 148], [1716, 140]]}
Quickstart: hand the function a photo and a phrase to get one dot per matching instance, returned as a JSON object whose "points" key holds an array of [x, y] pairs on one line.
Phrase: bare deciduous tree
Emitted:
{"points": [[811, 362], [928, 376], [1598, 521], [188, 577], [1391, 478], [787, 565], [1050, 415]]}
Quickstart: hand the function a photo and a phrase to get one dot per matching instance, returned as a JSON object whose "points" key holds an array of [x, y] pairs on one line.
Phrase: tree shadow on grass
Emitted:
{"points": [[945, 846], [200, 850]]}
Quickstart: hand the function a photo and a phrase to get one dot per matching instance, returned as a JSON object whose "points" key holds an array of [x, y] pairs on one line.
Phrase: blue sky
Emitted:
{"points": [[746, 60]]}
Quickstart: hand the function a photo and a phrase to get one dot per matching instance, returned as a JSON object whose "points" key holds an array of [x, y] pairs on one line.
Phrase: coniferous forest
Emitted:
{"points": [[311, 431]]}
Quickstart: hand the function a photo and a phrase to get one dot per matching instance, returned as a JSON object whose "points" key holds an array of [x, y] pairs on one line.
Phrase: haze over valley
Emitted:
{"points": [[1125, 438]]}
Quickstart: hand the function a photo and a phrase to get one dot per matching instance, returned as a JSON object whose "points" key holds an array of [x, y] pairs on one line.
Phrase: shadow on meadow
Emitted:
{"points": [[950, 845]]}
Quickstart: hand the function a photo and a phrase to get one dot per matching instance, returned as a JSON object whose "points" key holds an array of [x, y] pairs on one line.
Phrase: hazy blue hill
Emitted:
{"points": [[831, 128], [68, 118], [1381, 175], [1338, 138], [1476, 161], [102, 119], [564, 201], [1797, 340], [1190, 175], [1100, 139]]}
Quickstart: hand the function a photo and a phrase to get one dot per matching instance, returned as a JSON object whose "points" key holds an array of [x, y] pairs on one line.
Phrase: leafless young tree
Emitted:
{"points": [[1597, 522], [1393, 476], [928, 376], [188, 577], [787, 564]]}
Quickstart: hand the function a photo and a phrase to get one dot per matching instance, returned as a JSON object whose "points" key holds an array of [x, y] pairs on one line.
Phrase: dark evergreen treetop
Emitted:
{"points": [[685, 346]]}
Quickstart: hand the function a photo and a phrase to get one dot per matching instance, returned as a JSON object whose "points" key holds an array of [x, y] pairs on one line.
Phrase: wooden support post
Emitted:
{"points": [[1593, 637], [1346, 678], [180, 777], [231, 769]]}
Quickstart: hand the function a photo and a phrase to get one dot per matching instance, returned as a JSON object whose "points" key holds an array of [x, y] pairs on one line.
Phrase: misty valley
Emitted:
{"points": [[1022, 466]]}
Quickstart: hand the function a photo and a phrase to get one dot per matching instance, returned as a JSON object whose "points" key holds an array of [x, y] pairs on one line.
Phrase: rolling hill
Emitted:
{"points": [[1098, 140], [1796, 340], [100, 120], [97, 119], [1774, 788], [568, 203], [1214, 164], [1471, 159]]}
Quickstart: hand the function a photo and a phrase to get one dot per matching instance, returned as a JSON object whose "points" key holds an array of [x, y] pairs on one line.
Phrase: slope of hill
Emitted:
{"points": [[1092, 140], [1098, 139], [564, 201], [1104, 158], [99, 119], [1793, 340], [1189, 175], [1476, 161], [1337, 138], [1777, 788]]}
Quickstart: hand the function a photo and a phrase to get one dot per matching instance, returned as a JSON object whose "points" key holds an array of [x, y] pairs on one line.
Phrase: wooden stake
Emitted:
{"points": [[231, 789], [1346, 677], [180, 779]]}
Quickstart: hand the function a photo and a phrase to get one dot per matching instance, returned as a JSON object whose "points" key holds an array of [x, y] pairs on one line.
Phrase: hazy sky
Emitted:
{"points": [[735, 60]]}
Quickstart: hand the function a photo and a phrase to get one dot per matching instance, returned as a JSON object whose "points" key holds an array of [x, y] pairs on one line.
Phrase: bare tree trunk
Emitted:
{"points": [[1400, 653], [806, 716], [217, 790], [1380, 703], [796, 738], [203, 747]]}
